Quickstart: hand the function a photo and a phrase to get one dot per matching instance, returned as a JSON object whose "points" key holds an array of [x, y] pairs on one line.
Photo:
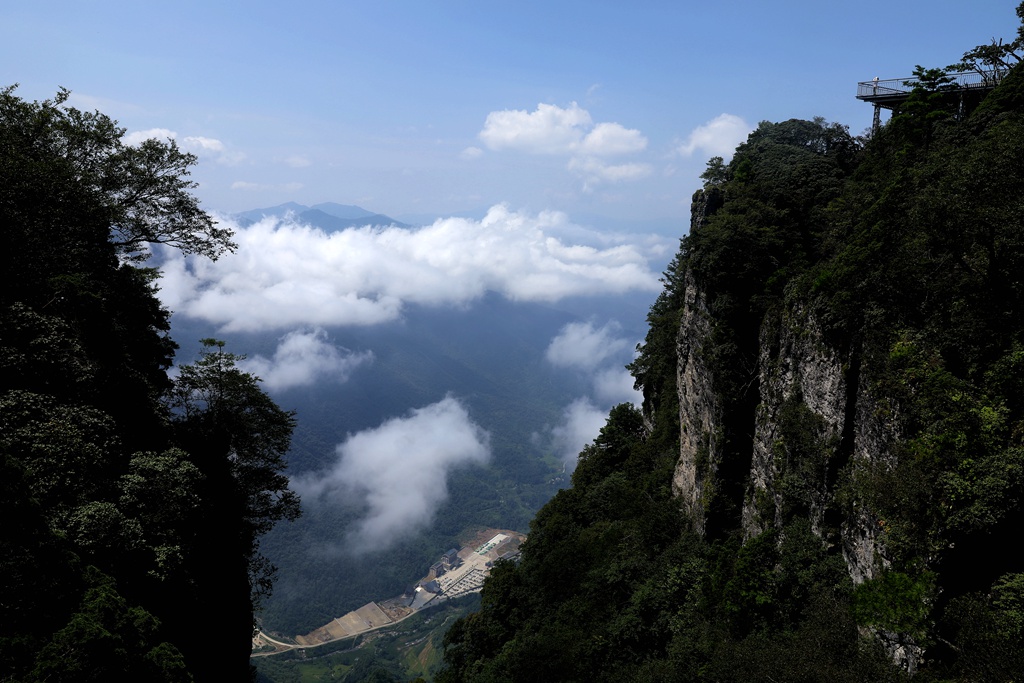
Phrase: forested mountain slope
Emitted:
{"points": [[132, 504], [826, 479]]}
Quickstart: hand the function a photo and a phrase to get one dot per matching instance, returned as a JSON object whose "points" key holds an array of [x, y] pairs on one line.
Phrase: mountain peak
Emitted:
{"points": [[328, 216], [343, 210]]}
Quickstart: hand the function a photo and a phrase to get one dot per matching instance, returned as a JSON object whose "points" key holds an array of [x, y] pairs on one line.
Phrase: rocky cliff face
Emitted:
{"points": [[783, 426], [801, 374], [700, 409], [795, 367], [815, 423]]}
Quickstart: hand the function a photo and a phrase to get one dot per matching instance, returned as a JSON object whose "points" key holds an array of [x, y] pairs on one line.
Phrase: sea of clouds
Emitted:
{"points": [[299, 282], [286, 275]]}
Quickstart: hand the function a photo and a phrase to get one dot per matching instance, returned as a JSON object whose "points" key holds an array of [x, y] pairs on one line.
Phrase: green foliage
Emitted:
{"points": [[236, 438], [160, 490], [141, 195], [716, 173], [610, 450], [895, 602], [986, 651], [39, 574], [611, 586], [749, 593], [802, 452], [61, 447], [103, 574], [589, 554], [218, 406], [106, 638], [654, 366], [1008, 600]]}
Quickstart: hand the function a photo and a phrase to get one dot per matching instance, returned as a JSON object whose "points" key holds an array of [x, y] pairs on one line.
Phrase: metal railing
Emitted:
{"points": [[968, 80]]}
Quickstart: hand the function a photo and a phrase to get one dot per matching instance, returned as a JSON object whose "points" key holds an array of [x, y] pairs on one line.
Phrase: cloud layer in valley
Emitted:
{"points": [[286, 276], [304, 358], [581, 423], [400, 470], [600, 353], [581, 345]]}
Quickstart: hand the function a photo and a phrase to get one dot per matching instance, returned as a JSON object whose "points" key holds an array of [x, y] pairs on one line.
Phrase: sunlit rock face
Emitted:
{"points": [[700, 410], [814, 425]]}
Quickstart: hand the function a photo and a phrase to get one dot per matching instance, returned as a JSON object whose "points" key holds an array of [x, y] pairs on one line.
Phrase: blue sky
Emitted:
{"points": [[386, 104]]}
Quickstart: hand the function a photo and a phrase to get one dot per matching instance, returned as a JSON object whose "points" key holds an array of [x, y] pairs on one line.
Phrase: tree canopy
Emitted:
{"points": [[130, 519], [141, 193]]}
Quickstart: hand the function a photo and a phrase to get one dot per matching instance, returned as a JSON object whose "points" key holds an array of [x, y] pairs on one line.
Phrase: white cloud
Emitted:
{"points": [[139, 136], [304, 358], [203, 146], [599, 353], [610, 138], [614, 386], [286, 275], [717, 137], [581, 346], [554, 130], [596, 172], [570, 132], [581, 424], [471, 153], [400, 470], [548, 130]]}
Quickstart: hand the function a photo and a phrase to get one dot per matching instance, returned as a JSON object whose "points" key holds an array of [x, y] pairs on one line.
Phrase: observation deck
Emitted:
{"points": [[892, 92]]}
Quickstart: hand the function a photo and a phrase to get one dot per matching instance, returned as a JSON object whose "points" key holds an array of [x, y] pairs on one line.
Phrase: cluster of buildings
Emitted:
{"points": [[449, 561], [443, 580], [450, 577], [426, 589]]}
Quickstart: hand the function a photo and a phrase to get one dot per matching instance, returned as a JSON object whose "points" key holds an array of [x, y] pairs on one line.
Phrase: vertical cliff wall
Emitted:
{"points": [[801, 379], [700, 409], [817, 423], [814, 424]]}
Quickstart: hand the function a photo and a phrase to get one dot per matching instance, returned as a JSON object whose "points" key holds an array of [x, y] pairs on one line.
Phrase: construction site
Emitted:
{"points": [[458, 572]]}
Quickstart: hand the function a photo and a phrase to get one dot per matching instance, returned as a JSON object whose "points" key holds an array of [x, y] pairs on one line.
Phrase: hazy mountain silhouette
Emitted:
{"points": [[328, 216]]}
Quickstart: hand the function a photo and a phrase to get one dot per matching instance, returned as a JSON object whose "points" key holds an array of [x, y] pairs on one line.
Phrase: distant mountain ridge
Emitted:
{"points": [[328, 216]]}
